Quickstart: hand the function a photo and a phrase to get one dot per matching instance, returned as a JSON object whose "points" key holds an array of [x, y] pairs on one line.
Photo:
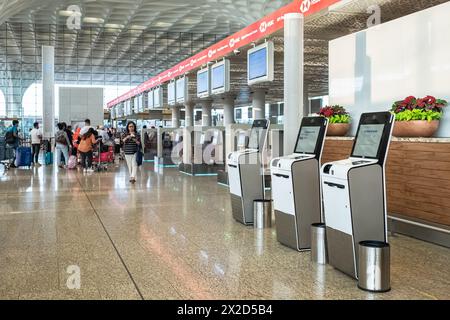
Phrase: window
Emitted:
{"points": [[2, 104]]}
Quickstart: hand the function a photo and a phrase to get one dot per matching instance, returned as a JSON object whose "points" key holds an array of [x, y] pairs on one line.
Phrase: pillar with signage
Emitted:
{"points": [[189, 114], [48, 91], [228, 111], [259, 103], [175, 117], [293, 77], [206, 113]]}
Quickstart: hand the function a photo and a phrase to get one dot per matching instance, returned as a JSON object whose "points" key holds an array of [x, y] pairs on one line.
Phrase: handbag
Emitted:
{"points": [[139, 158]]}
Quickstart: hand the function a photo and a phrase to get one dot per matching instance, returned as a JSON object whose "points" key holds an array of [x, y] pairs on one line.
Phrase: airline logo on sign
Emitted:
{"points": [[252, 33], [306, 5]]}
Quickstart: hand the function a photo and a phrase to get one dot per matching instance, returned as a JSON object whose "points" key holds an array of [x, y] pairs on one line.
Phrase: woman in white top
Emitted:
{"points": [[36, 139]]}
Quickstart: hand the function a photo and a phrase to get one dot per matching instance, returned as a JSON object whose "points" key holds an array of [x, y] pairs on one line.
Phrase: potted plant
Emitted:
{"points": [[417, 117], [338, 120]]}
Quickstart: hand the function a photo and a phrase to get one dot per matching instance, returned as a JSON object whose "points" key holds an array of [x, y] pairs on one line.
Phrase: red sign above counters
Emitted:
{"points": [[256, 31]]}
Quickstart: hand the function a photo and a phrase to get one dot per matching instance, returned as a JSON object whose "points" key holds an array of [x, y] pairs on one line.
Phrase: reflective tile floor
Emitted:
{"points": [[170, 236]]}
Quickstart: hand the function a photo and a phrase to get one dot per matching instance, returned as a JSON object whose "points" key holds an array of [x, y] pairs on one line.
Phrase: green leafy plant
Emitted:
{"points": [[335, 114], [412, 109]]}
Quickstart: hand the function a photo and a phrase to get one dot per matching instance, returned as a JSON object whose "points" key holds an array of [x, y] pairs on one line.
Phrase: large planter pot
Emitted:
{"points": [[418, 128], [338, 129]]}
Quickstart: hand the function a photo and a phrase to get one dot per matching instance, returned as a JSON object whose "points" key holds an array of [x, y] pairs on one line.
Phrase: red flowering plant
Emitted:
{"points": [[335, 114], [411, 108]]}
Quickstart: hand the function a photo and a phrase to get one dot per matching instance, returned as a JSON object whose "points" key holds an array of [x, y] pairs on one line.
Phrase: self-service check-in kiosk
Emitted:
{"points": [[296, 188], [245, 173], [354, 193]]}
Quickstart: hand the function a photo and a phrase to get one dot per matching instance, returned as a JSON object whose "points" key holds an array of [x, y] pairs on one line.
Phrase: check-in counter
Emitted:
{"points": [[418, 184]]}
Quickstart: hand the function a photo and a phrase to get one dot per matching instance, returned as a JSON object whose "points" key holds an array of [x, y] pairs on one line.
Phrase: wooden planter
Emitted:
{"points": [[338, 129], [418, 128]]}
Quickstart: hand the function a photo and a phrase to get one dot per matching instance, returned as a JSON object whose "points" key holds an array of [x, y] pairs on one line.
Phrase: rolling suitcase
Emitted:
{"points": [[48, 158], [23, 157]]}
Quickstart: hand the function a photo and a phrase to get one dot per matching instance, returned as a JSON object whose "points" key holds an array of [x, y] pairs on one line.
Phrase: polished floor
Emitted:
{"points": [[170, 236]]}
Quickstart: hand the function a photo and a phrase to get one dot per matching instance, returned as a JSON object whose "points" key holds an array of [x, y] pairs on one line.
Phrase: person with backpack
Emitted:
{"points": [[36, 141], [131, 145], [12, 141], [62, 146], [85, 148]]}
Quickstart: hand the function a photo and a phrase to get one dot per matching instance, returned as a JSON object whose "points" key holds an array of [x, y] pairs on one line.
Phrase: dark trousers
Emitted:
{"points": [[86, 159], [35, 155]]}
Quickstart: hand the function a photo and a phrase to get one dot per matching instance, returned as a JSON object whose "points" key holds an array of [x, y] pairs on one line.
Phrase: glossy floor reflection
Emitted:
{"points": [[170, 236]]}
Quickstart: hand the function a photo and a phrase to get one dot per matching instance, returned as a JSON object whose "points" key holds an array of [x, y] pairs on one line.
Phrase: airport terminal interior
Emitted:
{"points": [[224, 150]]}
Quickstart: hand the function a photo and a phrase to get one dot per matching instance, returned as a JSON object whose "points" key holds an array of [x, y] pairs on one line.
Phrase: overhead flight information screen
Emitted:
{"points": [[258, 64], [218, 77]]}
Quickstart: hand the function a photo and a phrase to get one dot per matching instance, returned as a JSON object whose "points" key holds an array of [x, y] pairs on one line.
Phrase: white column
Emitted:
{"points": [[175, 117], [293, 78], [228, 111], [48, 91], [259, 103], [206, 113], [189, 114], [305, 99]]}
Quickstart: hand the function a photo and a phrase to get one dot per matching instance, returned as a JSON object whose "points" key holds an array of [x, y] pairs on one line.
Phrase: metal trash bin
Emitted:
{"points": [[262, 214], [319, 243], [374, 266]]}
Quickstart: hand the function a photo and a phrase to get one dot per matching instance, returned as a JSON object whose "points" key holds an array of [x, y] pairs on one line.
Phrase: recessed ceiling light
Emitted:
{"points": [[93, 20], [162, 24], [191, 21], [114, 26], [69, 13], [137, 27]]}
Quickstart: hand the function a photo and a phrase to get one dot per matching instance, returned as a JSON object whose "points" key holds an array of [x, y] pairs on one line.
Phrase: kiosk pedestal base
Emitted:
{"points": [[341, 251], [286, 233], [236, 207], [222, 177], [200, 169]]}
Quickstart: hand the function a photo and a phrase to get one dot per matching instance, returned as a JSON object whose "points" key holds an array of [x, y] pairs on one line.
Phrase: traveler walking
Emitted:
{"points": [[131, 145]]}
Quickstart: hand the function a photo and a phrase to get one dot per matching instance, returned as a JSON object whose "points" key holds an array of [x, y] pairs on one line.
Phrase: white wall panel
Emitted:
{"points": [[79, 103], [371, 69]]}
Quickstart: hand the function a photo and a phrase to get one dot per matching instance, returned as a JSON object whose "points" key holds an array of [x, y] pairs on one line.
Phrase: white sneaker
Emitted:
{"points": [[90, 170], [84, 170]]}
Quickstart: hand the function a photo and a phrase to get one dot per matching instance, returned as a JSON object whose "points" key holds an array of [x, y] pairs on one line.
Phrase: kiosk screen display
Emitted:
{"points": [[218, 77], [368, 141], [257, 134], [257, 64], [202, 82], [307, 140]]}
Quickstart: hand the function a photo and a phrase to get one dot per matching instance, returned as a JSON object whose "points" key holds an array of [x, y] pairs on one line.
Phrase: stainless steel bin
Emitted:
{"points": [[262, 214], [374, 266], [319, 243]]}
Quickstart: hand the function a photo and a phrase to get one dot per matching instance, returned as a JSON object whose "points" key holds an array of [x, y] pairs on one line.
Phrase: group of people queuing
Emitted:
{"points": [[87, 138], [80, 144]]}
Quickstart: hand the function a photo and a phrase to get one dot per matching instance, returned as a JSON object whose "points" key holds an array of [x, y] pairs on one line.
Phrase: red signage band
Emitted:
{"points": [[256, 31]]}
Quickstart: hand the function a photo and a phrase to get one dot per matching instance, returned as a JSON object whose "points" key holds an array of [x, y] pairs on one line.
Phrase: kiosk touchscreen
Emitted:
{"points": [[245, 173], [296, 188], [354, 193]]}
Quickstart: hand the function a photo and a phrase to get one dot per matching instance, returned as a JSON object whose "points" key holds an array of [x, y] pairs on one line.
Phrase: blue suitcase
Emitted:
{"points": [[48, 158], [23, 157]]}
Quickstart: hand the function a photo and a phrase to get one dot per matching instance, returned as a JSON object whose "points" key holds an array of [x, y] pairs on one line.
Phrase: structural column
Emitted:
{"points": [[206, 113], [189, 114], [228, 111], [293, 78], [48, 91], [175, 117], [259, 103]]}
